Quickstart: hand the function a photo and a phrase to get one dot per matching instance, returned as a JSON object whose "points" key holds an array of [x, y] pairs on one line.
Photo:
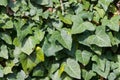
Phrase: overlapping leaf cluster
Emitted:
{"points": [[59, 40]]}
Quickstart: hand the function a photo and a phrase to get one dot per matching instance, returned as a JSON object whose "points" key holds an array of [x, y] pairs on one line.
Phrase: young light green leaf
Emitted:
{"points": [[72, 68], [28, 46], [4, 52], [27, 63], [8, 25], [8, 68], [39, 54], [4, 2], [6, 37]]}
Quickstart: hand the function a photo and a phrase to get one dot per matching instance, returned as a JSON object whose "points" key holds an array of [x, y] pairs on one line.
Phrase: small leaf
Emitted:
{"points": [[4, 52], [87, 75], [100, 72], [72, 68], [39, 54], [28, 46], [112, 76], [21, 75], [8, 25], [67, 39], [50, 48], [38, 71], [6, 37], [62, 67], [83, 57], [27, 63], [1, 71], [8, 68]]}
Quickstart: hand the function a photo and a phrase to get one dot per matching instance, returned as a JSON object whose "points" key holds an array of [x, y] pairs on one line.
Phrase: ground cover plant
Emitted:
{"points": [[59, 40]]}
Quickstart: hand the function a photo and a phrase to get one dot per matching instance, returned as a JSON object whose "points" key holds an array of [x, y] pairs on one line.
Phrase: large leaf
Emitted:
{"points": [[105, 3], [83, 57], [79, 27], [82, 27], [100, 38], [3, 2], [113, 23], [72, 68]]}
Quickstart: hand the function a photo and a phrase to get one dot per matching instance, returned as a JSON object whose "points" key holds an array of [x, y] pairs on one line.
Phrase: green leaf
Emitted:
{"points": [[50, 48], [28, 46], [81, 27], [39, 54], [112, 76], [72, 68], [55, 76], [66, 19], [96, 49], [102, 67], [8, 25], [21, 75], [53, 68], [48, 3], [4, 52], [100, 11], [99, 61], [67, 78], [113, 23], [87, 75], [100, 38], [27, 62], [105, 3], [1, 71], [83, 57], [4, 2], [6, 37], [38, 71], [8, 68], [66, 39]]}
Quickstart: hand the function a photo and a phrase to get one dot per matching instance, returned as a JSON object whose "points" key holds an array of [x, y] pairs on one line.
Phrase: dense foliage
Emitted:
{"points": [[59, 40]]}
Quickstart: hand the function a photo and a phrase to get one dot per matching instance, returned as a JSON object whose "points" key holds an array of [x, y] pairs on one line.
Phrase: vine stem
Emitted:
{"points": [[62, 7]]}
